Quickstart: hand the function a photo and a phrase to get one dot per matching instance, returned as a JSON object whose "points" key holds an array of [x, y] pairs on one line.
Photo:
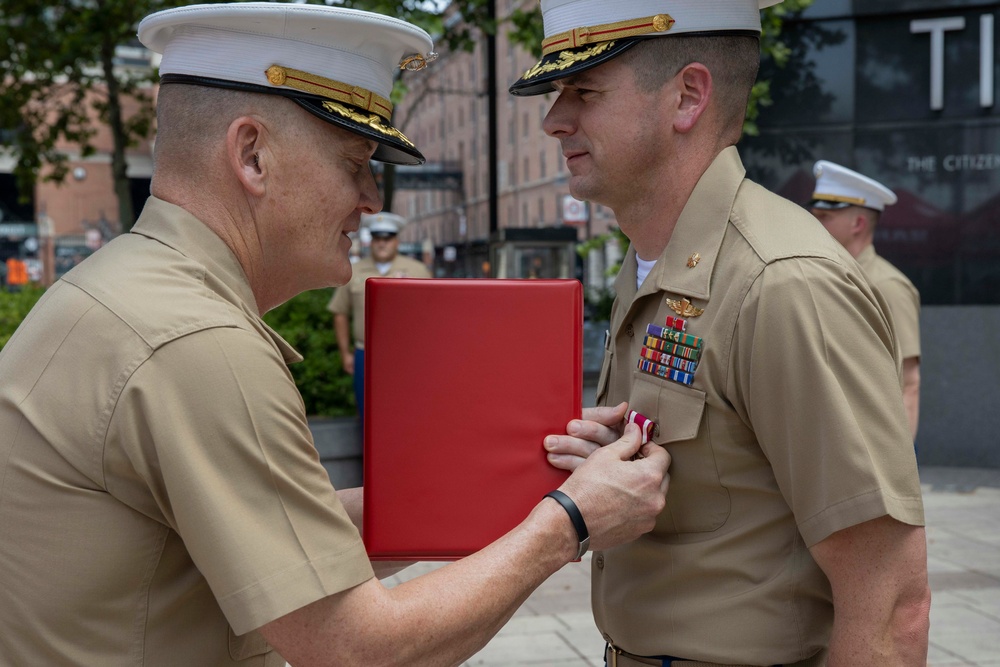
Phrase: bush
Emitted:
{"points": [[308, 326], [304, 322], [14, 307]]}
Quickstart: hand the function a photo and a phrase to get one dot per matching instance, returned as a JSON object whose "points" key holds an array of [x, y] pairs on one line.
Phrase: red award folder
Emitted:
{"points": [[463, 380]]}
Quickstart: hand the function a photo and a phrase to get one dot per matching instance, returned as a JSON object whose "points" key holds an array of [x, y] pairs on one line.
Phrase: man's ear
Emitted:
{"points": [[694, 84], [860, 224], [246, 153]]}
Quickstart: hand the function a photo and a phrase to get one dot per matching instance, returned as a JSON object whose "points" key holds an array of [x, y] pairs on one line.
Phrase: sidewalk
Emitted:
{"points": [[554, 627]]}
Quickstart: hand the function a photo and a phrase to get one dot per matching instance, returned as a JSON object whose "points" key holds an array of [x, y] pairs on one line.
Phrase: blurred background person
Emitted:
{"points": [[849, 205], [348, 302]]}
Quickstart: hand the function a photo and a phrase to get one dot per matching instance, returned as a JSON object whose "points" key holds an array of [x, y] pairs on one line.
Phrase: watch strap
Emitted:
{"points": [[576, 517]]}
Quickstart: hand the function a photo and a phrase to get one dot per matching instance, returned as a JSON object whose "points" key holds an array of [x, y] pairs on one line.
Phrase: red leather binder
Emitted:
{"points": [[463, 379]]}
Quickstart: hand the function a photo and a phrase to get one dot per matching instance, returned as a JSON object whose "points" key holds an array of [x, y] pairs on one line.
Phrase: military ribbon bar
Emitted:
{"points": [[686, 365], [645, 424], [647, 366], [673, 349], [675, 336], [676, 323]]}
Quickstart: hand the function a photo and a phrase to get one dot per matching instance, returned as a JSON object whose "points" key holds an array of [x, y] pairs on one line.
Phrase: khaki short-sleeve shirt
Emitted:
{"points": [[792, 429], [349, 299], [161, 497], [901, 296]]}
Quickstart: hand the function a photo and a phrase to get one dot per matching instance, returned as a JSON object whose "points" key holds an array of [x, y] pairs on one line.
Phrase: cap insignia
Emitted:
{"points": [[857, 201], [567, 59], [684, 308], [330, 89], [369, 120], [417, 61], [577, 37]]}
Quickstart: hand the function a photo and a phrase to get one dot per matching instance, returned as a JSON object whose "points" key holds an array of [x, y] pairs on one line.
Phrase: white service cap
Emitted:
{"points": [[336, 63], [839, 187], [580, 34], [383, 223]]}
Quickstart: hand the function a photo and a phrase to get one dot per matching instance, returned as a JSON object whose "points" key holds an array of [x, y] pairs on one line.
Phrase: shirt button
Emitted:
{"points": [[599, 561], [629, 331]]}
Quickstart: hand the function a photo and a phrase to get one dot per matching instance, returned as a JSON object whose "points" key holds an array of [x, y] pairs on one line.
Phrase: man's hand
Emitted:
{"points": [[618, 497], [347, 361], [599, 427]]}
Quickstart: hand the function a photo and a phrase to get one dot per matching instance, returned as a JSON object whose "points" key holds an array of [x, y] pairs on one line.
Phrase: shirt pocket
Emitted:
{"points": [[249, 645], [697, 502]]}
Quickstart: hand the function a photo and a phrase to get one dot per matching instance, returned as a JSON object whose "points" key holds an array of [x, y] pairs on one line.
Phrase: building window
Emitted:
{"points": [[526, 175], [524, 215], [541, 211], [524, 130], [541, 163]]}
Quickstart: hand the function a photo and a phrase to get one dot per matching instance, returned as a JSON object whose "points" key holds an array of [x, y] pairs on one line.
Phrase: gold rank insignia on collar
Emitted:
{"points": [[693, 260], [684, 308]]}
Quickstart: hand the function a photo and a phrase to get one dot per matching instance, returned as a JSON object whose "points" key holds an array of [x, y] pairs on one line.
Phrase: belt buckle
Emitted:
{"points": [[615, 652]]}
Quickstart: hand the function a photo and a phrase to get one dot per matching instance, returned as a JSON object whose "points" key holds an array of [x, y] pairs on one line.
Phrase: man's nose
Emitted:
{"points": [[559, 120]]}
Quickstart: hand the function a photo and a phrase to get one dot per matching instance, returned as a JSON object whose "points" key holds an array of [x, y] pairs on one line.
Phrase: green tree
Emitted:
{"points": [[59, 70], [14, 307], [307, 325]]}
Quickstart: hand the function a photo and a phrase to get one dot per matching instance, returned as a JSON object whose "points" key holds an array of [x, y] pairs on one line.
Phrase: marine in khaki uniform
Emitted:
{"points": [[793, 532], [849, 205], [161, 501], [348, 302]]}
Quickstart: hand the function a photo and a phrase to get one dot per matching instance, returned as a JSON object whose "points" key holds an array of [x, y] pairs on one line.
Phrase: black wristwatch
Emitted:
{"points": [[576, 517]]}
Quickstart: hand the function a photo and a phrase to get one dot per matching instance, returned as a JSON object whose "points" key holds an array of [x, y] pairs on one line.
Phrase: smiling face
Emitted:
{"points": [[322, 185], [612, 133]]}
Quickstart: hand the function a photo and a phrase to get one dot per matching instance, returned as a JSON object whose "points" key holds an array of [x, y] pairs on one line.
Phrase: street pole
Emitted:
{"points": [[491, 105]]}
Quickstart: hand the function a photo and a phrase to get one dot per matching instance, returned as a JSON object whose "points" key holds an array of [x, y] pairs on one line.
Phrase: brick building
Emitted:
{"points": [[64, 222], [445, 113]]}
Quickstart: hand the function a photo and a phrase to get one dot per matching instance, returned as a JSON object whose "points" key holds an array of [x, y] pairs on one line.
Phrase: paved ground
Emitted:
{"points": [[554, 627]]}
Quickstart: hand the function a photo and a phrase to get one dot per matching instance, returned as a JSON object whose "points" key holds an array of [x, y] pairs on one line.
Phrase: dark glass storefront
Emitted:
{"points": [[905, 92]]}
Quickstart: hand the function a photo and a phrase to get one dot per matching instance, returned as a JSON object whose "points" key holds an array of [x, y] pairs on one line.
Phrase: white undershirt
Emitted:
{"points": [[383, 267], [643, 268]]}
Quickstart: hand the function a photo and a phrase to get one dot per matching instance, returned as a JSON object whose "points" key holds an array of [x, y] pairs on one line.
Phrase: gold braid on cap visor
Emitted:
{"points": [[368, 120], [602, 36], [577, 37], [330, 89], [567, 59], [857, 201]]}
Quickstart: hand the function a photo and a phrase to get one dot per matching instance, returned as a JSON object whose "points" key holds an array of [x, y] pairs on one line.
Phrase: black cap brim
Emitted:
{"points": [[393, 146], [825, 205], [567, 62]]}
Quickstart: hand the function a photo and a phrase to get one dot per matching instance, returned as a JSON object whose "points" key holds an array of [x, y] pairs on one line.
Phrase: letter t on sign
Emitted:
{"points": [[986, 61], [937, 28]]}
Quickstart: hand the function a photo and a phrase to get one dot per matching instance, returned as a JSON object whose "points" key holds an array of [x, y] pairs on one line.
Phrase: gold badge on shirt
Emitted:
{"points": [[684, 308]]}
